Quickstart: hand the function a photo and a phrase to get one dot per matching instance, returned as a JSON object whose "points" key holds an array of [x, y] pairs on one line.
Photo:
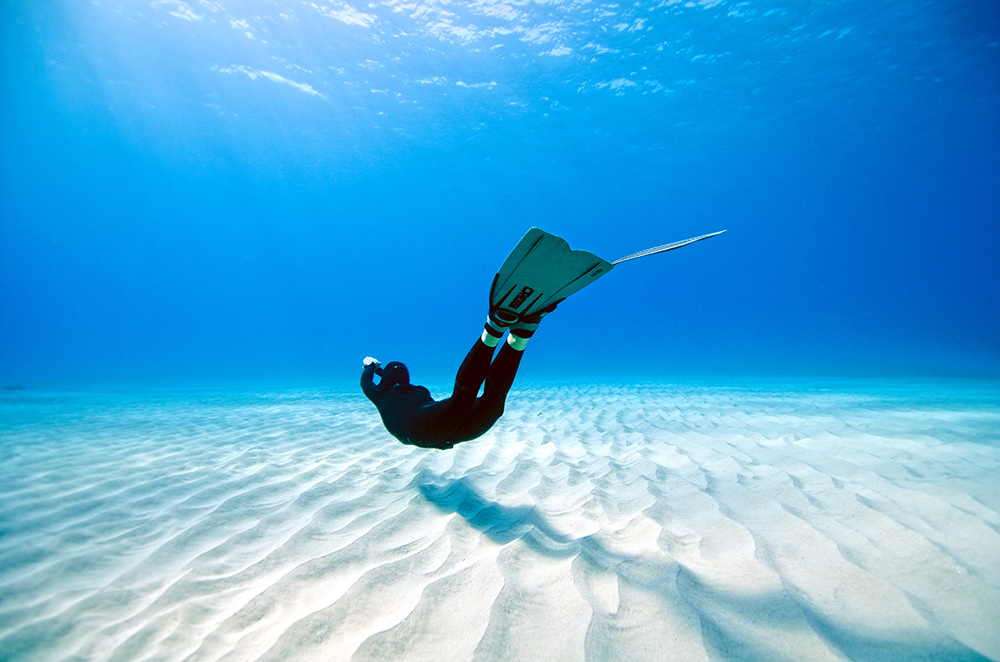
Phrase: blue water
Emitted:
{"points": [[208, 191]]}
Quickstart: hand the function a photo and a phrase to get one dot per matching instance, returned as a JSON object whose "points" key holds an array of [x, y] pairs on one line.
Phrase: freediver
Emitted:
{"points": [[539, 273], [413, 417]]}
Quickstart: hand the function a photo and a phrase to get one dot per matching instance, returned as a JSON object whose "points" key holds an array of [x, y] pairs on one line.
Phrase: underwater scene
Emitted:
{"points": [[246, 247]]}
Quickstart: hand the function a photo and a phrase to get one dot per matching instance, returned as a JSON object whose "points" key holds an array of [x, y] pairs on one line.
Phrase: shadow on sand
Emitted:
{"points": [[726, 617]]}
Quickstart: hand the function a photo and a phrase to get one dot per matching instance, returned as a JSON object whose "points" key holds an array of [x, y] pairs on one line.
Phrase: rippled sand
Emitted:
{"points": [[602, 523]]}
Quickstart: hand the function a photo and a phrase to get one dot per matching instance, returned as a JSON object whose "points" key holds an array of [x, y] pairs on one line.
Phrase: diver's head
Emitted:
{"points": [[395, 373]]}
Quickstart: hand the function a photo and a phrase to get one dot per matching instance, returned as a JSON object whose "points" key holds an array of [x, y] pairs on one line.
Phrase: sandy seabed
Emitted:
{"points": [[596, 523]]}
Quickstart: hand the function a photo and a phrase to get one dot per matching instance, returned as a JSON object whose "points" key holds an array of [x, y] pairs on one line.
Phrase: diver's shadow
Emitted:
{"points": [[505, 524], [671, 581], [502, 524]]}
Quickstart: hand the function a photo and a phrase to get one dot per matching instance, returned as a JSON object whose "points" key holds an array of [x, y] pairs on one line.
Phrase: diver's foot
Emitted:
{"points": [[526, 327], [498, 320], [495, 327]]}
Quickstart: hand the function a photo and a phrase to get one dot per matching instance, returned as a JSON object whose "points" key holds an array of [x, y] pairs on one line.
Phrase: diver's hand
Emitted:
{"points": [[370, 360]]}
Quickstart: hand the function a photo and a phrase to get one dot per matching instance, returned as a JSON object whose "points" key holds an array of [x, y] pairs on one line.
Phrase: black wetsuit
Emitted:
{"points": [[411, 415]]}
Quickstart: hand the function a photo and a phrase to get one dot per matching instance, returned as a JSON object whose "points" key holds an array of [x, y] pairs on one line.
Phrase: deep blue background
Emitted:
{"points": [[177, 205]]}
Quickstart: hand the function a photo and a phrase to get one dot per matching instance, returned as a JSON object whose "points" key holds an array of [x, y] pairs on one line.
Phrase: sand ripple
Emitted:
{"points": [[594, 523]]}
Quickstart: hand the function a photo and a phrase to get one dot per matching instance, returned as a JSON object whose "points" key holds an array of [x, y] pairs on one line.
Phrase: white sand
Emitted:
{"points": [[602, 523]]}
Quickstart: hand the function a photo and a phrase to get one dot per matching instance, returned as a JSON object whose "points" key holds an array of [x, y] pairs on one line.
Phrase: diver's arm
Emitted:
{"points": [[368, 381]]}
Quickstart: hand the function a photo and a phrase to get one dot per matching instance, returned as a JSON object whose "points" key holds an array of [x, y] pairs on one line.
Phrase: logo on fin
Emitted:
{"points": [[521, 297]]}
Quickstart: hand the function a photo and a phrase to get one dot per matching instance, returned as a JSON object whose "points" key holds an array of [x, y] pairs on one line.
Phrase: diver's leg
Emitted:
{"points": [[471, 419], [503, 370], [489, 408], [475, 367], [434, 423]]}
